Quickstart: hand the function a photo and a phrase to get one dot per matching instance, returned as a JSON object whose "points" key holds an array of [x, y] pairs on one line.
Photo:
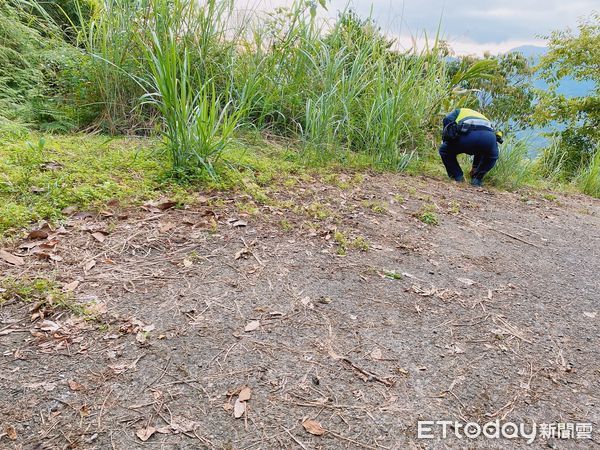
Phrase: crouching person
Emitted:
{"points": [[470, 132]]}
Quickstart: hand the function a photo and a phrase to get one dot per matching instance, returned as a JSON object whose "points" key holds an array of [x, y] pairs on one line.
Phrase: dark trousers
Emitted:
{"points": [[481, 144]]}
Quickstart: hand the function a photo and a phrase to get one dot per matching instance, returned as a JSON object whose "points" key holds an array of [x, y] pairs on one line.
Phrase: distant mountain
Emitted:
{"points": [[567, 87], [530, 51]]}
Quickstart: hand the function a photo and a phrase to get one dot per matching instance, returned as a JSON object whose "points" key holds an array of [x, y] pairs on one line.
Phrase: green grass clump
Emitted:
{"points": [[514, 168], [42, 291], [588, 179], [42, 176], [393, 275], [427, 214]]}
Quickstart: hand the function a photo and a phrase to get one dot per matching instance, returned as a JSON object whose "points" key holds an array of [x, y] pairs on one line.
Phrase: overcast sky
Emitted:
{"points": [[471, 26]]}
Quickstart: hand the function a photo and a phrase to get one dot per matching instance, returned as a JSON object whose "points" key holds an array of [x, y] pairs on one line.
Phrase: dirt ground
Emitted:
{"points": [[334, 318]]}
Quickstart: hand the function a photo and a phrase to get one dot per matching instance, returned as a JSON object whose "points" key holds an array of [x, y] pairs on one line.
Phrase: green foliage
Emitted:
{"points": [[588, 179], [32, 56], [514, 167], [427, 214], [89, 172], [499, 86], [574, 54], [196, 128], [338, 89]]}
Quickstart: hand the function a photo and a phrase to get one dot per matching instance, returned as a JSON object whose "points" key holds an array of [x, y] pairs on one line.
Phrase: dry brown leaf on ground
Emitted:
{"points": [[252, 326], [180, 424], [84, 411], [123, 367], [164, 227], [242, 253], [166, 205], [48, 325], [75, 386], [11, 432], [245, 394], [187, 263], [11, 259], [239, 408], [145, 433], [376, 354], [70, 287], [100, 237], [35, 235], [89, 265], [466, 281], [314, 427]]}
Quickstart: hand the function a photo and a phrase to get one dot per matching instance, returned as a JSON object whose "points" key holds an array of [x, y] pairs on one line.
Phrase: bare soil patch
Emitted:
{"points": [[331, 318]]}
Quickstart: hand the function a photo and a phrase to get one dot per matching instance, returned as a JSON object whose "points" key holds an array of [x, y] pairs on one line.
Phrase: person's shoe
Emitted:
{"points": [[476, 182], [460, 179]]}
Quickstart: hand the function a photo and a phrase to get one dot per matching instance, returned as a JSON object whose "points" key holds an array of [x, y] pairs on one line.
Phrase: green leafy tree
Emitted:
{"points": [[574, 54], [500, 86]]}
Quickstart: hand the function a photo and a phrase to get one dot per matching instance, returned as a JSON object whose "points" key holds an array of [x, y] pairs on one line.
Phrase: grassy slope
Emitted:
{"points": [[41, 176], [92, 171]]}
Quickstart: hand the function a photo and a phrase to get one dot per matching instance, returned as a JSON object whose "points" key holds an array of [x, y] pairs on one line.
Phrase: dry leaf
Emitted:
{"points": [[99, 236], [240, 223], [591, 315], [166, 205], [84, 411], [51, 165], [187, 263], [75, 386], [37, 234], [252, 326], [48, 325], [123, 367], [466, 281], [245, 394], [11, 432], [239, 408], [70, 287], [56, 258], [244, 252], [141, 337], [376, 354], [313, 427], [167, 226], [164, 430], [180, 424], [11, 259], [89, 265], [145, 433]]}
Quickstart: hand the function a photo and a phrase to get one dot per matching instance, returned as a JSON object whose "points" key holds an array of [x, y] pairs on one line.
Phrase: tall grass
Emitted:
{"points": [[203, 70], [514, 168], [588, 178]]}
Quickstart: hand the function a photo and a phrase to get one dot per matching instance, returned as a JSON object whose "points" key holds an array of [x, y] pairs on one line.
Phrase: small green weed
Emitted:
{"points": [[392, 275], [342, 241], [43, 292], [360, 243], [376, 206], [427, 214]]}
